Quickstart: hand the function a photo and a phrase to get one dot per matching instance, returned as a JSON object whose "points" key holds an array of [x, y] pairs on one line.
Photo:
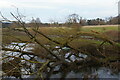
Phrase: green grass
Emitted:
{"points": [[100, 29], [65, 31], [73, 30]]}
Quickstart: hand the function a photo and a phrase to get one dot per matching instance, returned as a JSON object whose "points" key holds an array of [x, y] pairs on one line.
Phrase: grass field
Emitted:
{"points": [[102, 28], [66, 32]]}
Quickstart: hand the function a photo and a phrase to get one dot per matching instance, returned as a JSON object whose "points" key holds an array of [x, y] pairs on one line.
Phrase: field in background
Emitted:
{"points": [[101, 28], [53, 32], [72, 30]]}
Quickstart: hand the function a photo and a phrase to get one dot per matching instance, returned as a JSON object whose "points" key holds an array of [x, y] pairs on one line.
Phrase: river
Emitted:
{"points": [[101, 72]]}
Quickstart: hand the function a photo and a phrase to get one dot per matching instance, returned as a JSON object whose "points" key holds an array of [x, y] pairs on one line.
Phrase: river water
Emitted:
{"points": [[101, 72]]}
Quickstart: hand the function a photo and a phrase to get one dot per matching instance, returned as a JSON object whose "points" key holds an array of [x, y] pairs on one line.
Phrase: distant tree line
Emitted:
{"points": [[75, 20]]}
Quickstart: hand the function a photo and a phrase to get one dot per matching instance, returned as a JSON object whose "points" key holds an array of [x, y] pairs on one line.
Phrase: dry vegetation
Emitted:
{"points": [[52, 44]]}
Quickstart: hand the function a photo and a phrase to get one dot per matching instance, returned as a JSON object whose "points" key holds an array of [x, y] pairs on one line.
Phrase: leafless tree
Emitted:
{"points": [[53, 56]]}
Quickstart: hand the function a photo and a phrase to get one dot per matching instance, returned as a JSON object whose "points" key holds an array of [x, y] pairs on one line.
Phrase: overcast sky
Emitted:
{"points": [[58, 10]]}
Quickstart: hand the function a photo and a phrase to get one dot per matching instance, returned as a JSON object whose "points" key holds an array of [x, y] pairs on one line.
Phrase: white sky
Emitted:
{"points": [[59, 9]]}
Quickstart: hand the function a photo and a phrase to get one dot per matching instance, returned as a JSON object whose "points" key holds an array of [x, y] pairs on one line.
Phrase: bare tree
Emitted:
{"points": [[73, 18], [55, 54]]}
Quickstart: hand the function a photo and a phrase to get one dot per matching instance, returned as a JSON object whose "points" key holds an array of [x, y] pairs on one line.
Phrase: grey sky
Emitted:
{"points": [[59, 9]]}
